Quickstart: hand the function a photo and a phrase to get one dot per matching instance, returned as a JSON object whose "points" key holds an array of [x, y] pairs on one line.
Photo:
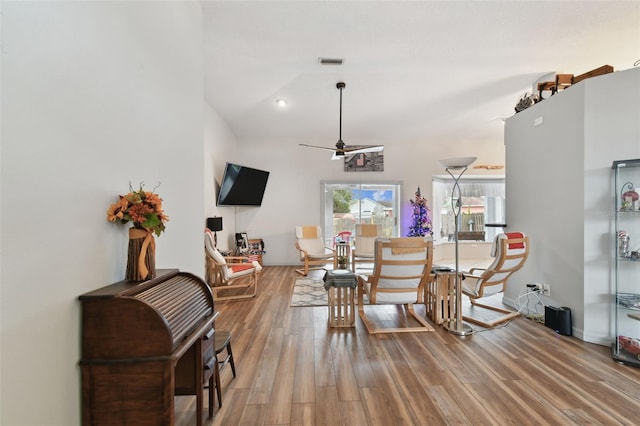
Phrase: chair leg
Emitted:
{"points": [[222, 342], [509, 315], [372, 329], [218, 388], [420, 319], [363, 317], [253, 286], [233, 364], [305, 271], [211, 386]]}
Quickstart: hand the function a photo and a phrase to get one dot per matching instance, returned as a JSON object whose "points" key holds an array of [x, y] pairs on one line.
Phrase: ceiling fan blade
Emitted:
{"points": [[337, 155], [362, 149], [319, 147], [489, 166], [349, 152]]}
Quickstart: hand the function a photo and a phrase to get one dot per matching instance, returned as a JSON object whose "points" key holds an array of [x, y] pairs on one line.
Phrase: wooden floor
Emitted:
{"points": [[295, 370]]}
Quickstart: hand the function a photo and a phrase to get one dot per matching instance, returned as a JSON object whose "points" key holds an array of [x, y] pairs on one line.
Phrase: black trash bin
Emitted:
{"points": [[564, 321], [558, 319]]}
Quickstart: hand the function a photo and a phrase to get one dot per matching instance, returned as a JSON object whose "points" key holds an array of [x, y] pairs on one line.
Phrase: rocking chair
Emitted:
{"points": [[231, 272], [510, 251], [402, 269], [313, 253]]}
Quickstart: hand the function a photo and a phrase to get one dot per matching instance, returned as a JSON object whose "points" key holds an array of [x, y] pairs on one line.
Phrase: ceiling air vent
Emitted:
{"points": [[330, 61]]}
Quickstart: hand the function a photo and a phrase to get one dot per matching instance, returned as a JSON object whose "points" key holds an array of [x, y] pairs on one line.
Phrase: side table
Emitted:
{"points": [[256, 250], [341, 287], [343, 255], [440, 297]]}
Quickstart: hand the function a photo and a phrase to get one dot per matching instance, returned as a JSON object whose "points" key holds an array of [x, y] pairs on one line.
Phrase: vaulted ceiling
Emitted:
{"points": [[415, 71]]}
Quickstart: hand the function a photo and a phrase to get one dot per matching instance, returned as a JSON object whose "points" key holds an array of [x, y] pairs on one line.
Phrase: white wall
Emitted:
{"points": [[558, 184], [293, 194], [612, 132], [94, 95], [219, 147]]}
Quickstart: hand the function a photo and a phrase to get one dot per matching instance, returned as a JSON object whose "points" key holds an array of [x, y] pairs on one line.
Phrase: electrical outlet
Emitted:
{"points": [[546, 289]]}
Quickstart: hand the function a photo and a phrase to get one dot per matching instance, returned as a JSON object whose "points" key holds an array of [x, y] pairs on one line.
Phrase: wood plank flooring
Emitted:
{"points": [[295, 370]]}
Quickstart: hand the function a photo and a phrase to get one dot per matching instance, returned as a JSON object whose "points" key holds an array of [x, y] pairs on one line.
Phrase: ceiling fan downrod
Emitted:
{"points": [[340, 145]]}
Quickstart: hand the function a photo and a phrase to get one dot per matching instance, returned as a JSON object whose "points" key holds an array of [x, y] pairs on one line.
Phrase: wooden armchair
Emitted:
{"points": [[310, 244], [510, 251], [231, 272], [364, 244], [402, 269]]}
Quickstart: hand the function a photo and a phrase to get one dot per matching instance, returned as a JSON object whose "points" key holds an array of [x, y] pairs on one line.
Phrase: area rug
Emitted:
{"points": [[309, 292]]}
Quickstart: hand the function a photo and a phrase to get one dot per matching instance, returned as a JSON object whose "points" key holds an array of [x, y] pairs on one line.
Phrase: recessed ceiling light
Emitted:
{"points": [[281, 103]]}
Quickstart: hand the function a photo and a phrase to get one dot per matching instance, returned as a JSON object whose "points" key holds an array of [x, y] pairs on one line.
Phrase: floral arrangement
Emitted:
{"points": [[143, 208], [421, 219]]}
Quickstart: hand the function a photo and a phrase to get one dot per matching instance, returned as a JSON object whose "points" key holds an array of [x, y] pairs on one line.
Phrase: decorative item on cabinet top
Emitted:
{"points": [[144, 210], [629, 198]]}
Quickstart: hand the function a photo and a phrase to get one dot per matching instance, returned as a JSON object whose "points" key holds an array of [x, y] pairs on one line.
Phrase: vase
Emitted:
{"points": [[141, 262]]}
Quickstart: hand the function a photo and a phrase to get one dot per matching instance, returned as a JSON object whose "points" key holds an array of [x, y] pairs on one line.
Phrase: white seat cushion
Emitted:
{"points": [[398, 270]]}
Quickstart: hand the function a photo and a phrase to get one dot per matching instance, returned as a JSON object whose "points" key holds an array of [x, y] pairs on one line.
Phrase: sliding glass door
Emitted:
{"points": [[347, 203]]}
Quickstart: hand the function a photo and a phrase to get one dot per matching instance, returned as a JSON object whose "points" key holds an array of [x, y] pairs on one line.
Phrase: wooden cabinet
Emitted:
{"points": [[142, 344], [626, 261]]}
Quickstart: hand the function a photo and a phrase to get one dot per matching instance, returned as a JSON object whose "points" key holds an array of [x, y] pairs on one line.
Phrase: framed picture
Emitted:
{"points": [[364, 162]]}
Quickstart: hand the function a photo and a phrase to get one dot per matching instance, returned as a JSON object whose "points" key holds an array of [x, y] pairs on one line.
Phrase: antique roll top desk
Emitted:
{"points": [[142, 344]]}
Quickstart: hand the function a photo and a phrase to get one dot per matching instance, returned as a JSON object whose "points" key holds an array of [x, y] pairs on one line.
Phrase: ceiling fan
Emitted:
{"points": [[341, 148]]}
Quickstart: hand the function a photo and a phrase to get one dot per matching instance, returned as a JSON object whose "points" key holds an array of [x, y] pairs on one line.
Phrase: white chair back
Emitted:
{"points": [[366, 234], [310, 239], [510, 251], [402, 267]]}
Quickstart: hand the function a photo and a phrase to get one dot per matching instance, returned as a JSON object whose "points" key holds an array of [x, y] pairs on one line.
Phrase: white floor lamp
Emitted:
{"points": [[459, 165]]}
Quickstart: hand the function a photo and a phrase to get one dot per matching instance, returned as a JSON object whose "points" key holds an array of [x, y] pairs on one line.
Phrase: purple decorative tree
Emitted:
{"points": [[421, 220]]}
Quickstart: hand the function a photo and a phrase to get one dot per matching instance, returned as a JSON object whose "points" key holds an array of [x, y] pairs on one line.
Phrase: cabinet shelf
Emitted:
{"points": [[628, 213], [625, 357], [622, 309]]}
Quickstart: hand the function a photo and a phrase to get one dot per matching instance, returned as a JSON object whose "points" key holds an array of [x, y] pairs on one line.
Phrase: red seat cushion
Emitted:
{"points": [[240, 267], [511, 235]]}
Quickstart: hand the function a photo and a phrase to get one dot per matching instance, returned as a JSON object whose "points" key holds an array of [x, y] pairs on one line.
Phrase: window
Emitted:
{"points": [[483, 202], [348, 203]]}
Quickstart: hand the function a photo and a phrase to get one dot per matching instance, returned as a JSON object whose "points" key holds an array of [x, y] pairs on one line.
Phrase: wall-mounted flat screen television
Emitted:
{"points": [[242, 186]]}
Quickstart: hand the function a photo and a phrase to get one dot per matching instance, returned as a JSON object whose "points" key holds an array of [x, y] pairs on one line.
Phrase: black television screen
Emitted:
{"points": [[242, 186]]}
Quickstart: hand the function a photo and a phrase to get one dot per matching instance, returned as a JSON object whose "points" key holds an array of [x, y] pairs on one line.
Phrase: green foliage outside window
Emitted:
{"points": [[341, 200]]}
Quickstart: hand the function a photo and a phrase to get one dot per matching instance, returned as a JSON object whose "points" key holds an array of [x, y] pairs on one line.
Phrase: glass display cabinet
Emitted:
{"points": [[626, 262]]}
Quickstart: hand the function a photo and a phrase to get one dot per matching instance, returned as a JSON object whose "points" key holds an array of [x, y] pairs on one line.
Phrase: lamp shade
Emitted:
{"points": [[457, 163], [214, 223]]}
